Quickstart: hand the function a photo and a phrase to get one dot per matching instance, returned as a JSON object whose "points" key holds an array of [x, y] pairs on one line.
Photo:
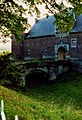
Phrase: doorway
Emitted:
{"points": [[61, 53]]}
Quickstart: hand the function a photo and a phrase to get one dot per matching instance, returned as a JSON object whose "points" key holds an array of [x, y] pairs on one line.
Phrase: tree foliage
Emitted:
{"points": [[10, 72], [12, 14], [11, 17], [65, 16]]}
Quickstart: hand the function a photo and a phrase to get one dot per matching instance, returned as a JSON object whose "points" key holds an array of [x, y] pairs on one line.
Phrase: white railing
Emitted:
{"points": [[3, 117]]}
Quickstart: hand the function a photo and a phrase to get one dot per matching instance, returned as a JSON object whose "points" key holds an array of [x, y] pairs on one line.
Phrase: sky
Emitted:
{"points": [[5, 47]]}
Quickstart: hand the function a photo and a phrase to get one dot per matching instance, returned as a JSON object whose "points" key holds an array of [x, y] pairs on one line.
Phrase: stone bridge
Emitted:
{"points": [[44, 70]]}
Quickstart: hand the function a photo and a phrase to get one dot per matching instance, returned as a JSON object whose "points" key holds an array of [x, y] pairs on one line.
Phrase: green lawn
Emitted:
{"points": [[57, 101]]}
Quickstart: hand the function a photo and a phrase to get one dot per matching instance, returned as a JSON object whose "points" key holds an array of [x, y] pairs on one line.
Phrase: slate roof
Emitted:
{"points": [[78, 24], [45, 27]]}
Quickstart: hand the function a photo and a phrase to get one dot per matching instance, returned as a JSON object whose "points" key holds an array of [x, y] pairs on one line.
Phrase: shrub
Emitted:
{"points": [[9, 71]]}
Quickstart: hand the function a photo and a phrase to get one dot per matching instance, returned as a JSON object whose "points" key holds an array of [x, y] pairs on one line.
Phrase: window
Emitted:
{"points": [[28, 52], [20, 44], [43, 43], [38, 44], [73, 42], [45, 52], [32, 44], [28, 44]]}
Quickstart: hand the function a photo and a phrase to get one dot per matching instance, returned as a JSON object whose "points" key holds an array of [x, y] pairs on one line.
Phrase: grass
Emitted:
{"points": [[57, 101]]}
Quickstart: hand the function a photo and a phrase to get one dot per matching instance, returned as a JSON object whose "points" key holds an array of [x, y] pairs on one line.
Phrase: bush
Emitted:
{"points": [[9, 71]]}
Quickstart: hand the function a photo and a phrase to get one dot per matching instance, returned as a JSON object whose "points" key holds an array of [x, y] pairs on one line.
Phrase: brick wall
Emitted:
{"points": [[36, 47]]}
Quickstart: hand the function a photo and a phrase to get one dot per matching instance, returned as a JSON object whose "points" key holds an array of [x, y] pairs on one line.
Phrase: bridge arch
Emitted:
{"points": [[36, 77]]}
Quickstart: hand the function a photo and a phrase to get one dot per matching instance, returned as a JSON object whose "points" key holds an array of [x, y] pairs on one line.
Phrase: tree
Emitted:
{"points": [[11, 18], [12, 14]]}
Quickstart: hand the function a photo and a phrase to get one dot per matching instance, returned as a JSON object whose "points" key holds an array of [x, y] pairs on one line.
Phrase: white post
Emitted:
{"points": [[16, 117], [2, 111]]}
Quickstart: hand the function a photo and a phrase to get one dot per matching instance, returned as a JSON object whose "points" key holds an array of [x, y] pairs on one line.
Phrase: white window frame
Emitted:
{"points": [[45, 52], [73, 42], [28, 52]]}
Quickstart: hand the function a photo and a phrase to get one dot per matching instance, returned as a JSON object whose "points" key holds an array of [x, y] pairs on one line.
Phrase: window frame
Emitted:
{"points": [[29, 52], [45, 52], [73, 42]]}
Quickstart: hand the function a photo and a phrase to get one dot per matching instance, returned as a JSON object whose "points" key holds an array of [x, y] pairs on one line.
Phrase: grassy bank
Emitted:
{"points": [[57, 101]]}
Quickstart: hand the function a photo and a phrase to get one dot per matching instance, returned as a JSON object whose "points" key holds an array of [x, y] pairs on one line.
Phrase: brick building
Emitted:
{"points": [[43, 42]]}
